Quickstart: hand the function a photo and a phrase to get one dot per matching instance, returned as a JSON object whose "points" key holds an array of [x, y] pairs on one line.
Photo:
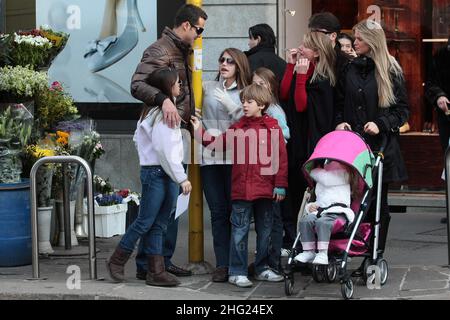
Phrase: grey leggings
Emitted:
{"points": [[310, 225]]}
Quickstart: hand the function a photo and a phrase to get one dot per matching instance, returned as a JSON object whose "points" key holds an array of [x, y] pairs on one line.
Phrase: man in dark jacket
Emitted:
{"points": [[171, 50], [328, 23], [262, 43], [438, 94]]}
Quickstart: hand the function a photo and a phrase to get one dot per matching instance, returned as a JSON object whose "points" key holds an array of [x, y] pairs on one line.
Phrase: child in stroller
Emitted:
{"points": [[342, 169], [333, 200]]}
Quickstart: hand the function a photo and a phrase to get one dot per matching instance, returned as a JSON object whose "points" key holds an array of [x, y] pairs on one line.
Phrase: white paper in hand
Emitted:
{"points": [[182, 204]]}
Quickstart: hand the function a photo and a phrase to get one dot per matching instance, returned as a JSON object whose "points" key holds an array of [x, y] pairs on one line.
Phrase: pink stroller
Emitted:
{"points": [[358, 239]]}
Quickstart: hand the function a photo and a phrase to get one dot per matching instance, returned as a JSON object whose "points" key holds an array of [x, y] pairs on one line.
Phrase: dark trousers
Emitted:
{"points": [[444, 129], [385, 216], [291, 206], [217, 187], [276, 238]]}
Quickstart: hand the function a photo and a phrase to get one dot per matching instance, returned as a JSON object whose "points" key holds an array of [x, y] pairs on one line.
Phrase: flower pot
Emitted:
{"points": [[60, 212], [15, 225], [109, 220], [44, 179], [44, 222]]}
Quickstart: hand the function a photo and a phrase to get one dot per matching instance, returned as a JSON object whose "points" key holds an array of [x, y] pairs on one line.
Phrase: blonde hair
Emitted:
{"points": [[386, 66], [326, 62], [260, 94]]}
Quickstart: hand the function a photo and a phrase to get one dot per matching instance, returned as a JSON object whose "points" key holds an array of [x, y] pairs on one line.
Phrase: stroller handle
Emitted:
{"points": [[384, 140]]}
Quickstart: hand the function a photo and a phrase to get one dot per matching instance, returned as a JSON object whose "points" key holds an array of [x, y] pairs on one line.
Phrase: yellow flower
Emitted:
{"points": [[41, 152]]}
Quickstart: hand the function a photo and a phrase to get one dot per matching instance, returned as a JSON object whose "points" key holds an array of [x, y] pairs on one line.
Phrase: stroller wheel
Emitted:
{"points": [[319, 273], [384, 271], [347, 289], [331, 271], [289, 285]]}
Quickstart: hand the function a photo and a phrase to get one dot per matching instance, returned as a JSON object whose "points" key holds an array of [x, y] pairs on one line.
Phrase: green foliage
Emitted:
{"points": [[21, 81], [15, 131], [54, 105]]}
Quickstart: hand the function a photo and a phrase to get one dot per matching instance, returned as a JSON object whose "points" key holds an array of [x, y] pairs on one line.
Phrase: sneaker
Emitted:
{"points": [[269, 275], [321, 259], [285, 252], [240, 281], [305, 257]]}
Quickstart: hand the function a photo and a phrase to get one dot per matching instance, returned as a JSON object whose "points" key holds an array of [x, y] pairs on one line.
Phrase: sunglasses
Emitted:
{"points": [[227, 60], [323, 31], [198, 30]]}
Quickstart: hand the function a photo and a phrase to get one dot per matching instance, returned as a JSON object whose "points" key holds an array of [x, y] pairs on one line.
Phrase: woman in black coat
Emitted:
{"points": [[371, 99], [262, 43]]}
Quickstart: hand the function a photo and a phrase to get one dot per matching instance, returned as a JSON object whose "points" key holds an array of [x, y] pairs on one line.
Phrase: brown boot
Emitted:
{"points": [[157, 274], [116, 263]]}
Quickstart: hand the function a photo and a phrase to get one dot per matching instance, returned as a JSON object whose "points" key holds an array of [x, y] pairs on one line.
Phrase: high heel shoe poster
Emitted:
{"points": [[107, 40]]}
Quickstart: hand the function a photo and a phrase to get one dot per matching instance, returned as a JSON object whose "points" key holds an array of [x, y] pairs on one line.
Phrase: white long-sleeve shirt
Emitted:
{"points": [[159, 145], [332, 187]]}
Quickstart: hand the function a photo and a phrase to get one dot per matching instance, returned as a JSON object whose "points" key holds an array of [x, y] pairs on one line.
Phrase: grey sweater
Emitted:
{"points": [[217, 119]]}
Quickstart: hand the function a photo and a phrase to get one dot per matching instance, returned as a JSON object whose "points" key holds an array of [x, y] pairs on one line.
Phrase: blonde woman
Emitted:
{"points": [[306, 93], [372, 101]]}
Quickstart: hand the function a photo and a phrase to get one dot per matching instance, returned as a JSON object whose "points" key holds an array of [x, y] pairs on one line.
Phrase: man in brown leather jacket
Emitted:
{"points": [[171, 50]]}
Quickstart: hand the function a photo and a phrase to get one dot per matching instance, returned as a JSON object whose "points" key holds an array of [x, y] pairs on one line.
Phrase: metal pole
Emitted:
{"points": [[447, 172], [196, 244], [66, 208], [90, 206], [91, 221], [34, 221], [378, 211]]}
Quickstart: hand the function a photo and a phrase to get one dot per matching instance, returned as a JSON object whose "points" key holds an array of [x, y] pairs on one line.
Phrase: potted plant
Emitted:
{"points": [[44, 176], [15, 227], [36, 48], [54, 105], [110, 210], [20, 85]]}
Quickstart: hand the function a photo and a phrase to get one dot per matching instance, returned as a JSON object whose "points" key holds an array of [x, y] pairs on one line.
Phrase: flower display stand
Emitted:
{"points": [[109, 220]]}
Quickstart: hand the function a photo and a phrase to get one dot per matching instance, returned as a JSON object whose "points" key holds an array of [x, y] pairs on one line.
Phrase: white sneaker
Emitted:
{"points": [[321, 259], [269, 275], [240, 281], [285, 252], [305, 257]]}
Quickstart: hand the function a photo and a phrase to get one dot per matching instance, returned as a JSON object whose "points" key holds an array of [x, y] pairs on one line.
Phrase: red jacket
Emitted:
{"points": [[256, 171]]}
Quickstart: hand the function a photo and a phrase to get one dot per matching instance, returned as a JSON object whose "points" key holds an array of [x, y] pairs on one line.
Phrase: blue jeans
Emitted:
{"points": [[170, 241], [217, 187], [262, 209], [276, 238], [159, 195]]}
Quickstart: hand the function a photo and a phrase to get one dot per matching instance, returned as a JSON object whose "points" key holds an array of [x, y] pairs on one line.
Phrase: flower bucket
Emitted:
{"points": [[109, 220], [15, 224]]}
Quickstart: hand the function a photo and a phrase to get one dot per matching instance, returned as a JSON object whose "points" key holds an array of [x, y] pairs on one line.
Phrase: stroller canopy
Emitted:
{"points": [[348, 148]]}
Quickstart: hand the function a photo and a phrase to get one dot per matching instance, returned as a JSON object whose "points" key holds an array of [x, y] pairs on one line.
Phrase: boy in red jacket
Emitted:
{"points": [[259, 176]]}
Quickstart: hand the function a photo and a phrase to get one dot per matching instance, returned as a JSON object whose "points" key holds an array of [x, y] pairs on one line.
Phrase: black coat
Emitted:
{"points": [[438, 85], [260, 56], [308, 127], [357, 104]]}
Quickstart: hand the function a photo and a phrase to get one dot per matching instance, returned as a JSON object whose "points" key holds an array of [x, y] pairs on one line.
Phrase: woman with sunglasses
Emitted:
{"points": [[222, 108]]}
